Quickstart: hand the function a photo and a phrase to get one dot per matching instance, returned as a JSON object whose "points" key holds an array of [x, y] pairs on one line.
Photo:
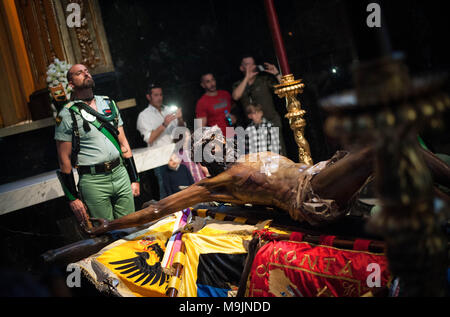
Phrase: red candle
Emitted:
{"points": [[276, 37]]}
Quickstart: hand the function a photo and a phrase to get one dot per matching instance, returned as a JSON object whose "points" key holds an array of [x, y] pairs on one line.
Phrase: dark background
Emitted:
{"points": [[172, 42]]}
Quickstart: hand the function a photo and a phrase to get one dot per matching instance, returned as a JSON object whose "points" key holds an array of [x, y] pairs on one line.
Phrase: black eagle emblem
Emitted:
{"points": [[148, 273]]}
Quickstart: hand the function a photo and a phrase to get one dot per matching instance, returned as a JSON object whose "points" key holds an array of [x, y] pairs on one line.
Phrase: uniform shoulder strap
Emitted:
{"points": [[73, 109], [105, 128], [75, 139], [112, 104], [69, 104]]}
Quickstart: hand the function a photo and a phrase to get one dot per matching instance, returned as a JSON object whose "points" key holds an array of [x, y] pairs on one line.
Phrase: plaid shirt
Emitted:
{"points": [[262, 138]]}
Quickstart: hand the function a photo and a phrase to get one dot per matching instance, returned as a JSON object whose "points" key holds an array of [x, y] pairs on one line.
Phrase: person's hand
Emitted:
{"points": [[233, 118], [169, 118], [136, 189], [80, 211], [205, 170], [250, 72], [102, 227], [179, 114], [271, 69]]}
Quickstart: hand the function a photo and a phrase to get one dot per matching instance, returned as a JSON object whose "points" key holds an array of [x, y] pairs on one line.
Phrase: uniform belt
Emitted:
{"points": [[99, 168]]}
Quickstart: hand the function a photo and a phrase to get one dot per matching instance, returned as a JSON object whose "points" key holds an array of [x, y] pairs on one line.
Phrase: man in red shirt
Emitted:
{"points": [[212, 108]]}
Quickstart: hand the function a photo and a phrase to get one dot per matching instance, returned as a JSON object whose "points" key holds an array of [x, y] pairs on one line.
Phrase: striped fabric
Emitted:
{"points": [[193, 167]]}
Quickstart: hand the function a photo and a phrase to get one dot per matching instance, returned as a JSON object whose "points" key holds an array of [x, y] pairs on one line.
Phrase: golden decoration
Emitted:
{"points": [[85, 41], [289, 88]]}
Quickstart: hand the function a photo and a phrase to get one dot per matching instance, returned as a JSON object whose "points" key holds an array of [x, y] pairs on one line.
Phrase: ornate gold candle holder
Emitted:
{"points": [[289, 88]]}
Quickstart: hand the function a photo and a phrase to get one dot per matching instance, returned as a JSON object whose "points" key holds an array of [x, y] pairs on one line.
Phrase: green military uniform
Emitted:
{"points": [[108, 195]]}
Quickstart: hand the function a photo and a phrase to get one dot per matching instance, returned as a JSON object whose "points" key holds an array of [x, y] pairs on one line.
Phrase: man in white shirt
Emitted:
{"points": [[156, 124]]}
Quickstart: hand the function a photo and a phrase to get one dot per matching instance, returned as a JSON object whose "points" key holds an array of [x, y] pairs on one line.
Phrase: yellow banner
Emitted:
{"points": [[216, 237], [131, 267]]}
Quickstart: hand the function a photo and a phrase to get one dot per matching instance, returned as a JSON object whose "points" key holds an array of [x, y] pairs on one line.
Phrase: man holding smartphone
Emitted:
{"points": [[257, 87], [156, 123]]}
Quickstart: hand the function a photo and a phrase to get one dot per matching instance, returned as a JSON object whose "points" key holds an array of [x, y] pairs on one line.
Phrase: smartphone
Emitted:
{"points": [[173, 109], [259, 68]]}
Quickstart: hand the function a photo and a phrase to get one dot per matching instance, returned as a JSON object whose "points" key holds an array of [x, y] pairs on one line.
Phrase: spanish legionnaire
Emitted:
{"points": [[90, 137]]}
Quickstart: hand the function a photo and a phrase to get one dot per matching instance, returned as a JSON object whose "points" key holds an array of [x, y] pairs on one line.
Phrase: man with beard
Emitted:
{"points": [[214, 106], [89, 136]]}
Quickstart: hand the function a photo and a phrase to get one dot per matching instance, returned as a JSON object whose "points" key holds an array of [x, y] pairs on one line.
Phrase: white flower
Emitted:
{"points": [[56, 74]]}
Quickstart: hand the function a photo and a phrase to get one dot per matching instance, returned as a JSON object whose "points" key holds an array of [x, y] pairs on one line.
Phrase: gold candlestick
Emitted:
{"points": [[289, 88]]}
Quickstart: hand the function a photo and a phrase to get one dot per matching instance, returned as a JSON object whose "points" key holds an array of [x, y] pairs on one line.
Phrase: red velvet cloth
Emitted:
{"points": [[327, 240], [292, 268], [296, 236], [361, 245]]}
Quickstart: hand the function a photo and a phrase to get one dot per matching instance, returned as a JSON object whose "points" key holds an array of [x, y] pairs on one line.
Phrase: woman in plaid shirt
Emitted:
{"points": [[260, 135]]}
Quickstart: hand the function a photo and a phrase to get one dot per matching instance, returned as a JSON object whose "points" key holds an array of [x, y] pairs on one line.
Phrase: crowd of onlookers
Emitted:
{"points": [[90, 137], [252, 96]]}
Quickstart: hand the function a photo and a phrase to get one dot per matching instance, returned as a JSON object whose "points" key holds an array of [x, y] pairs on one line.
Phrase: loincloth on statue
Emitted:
{"points": [[309, 206]]}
